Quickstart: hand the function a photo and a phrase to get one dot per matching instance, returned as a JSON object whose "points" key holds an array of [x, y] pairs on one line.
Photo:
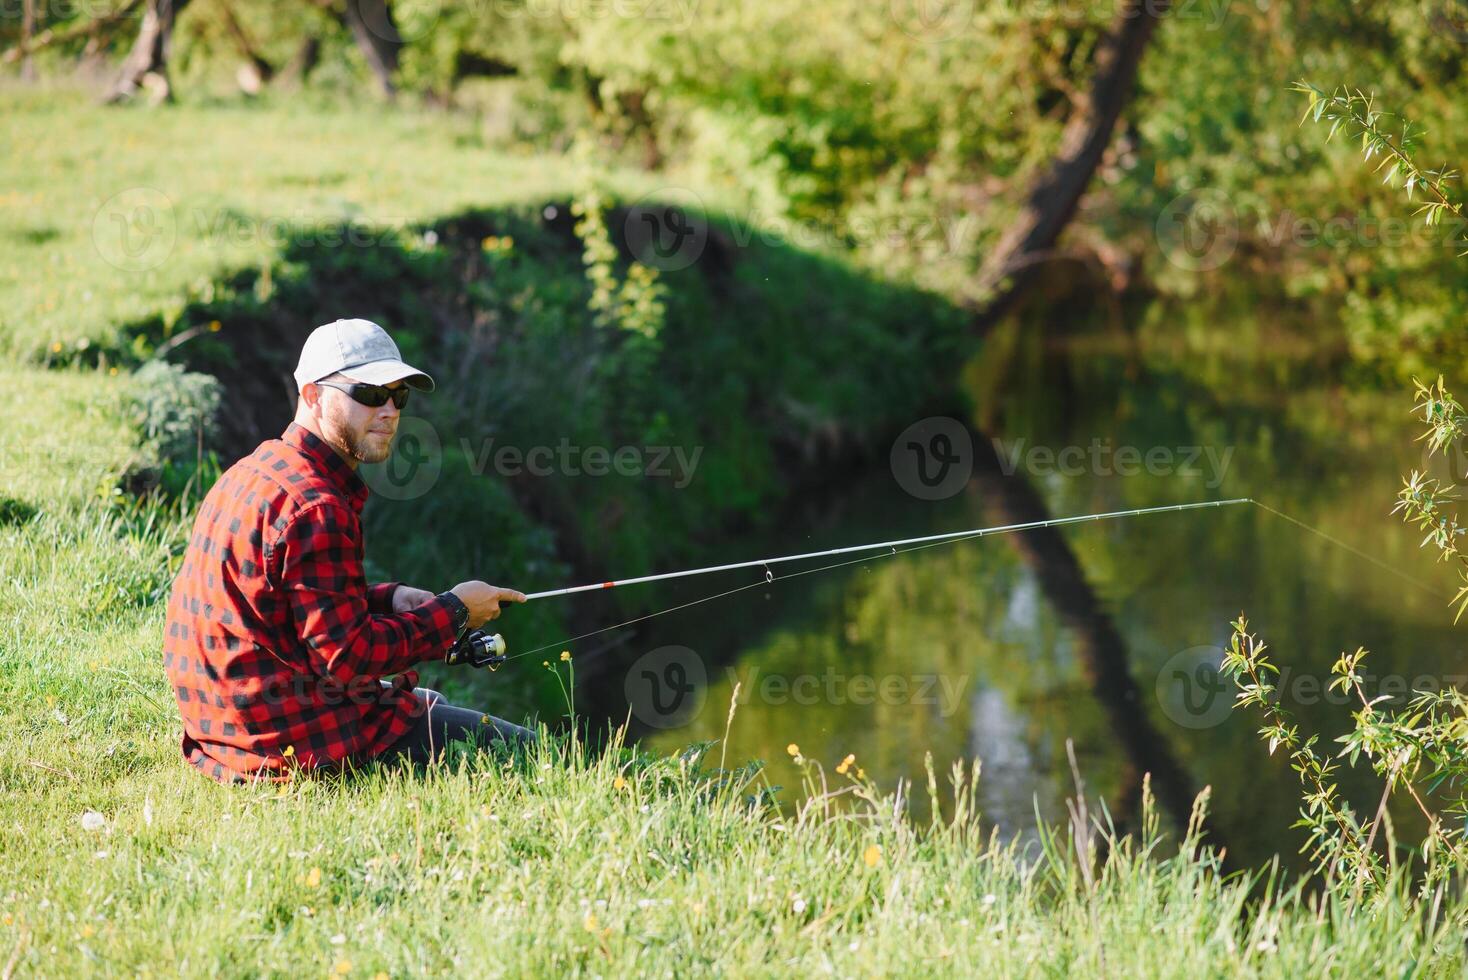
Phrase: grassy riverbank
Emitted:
{"points": [[116, 858]]}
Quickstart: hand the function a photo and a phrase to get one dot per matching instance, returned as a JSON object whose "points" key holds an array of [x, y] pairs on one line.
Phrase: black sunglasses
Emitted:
{"points": [[373, 396]]}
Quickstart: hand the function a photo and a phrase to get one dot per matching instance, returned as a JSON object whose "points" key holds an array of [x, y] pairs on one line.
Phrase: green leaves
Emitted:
{"points": [[1357, 112], [1421, 751]]}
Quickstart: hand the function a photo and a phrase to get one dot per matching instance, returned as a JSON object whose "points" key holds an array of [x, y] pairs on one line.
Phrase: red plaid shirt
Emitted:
{"points": [[275, 645]]}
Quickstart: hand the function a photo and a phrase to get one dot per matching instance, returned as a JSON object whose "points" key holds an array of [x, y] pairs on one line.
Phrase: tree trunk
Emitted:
{"points": [[1099, 646], [27, 29], [377, 38], [147, 64], [256, 72], [1053, 197], [295, 71]]}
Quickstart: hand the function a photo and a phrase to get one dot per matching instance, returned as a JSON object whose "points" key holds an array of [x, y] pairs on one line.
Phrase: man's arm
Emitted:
{"points": [[329, 603]]}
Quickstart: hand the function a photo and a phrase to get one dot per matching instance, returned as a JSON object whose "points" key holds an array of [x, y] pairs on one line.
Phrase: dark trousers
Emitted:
{"points": [[442, 723]]}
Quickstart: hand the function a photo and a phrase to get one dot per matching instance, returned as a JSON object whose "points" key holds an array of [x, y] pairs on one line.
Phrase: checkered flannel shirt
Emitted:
{"points": [[275, 645]]}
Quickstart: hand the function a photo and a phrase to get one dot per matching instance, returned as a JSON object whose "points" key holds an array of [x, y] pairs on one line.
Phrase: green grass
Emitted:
{"points": [[223, 185], [499, 866]]}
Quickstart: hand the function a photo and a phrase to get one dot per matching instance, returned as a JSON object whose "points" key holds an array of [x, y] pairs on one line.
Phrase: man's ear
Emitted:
{"points": [[310, 394]]}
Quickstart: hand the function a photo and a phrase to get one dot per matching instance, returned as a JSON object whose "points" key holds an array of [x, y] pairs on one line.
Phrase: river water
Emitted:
{"points": [[1105, 634]]}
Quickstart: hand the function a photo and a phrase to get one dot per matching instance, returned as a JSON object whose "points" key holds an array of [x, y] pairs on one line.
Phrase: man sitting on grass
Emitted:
{"points": [[277, 649]]}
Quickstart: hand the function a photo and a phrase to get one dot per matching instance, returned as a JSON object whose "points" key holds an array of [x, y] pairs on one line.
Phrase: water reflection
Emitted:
{"points": [[1092, 632], [1097, 647]]}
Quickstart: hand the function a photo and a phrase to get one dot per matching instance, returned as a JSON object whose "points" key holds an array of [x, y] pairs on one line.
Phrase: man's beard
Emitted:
{"points": [[363, 452], [356, 445]]}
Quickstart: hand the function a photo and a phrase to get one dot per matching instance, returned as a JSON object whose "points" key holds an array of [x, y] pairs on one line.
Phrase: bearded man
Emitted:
{"points": [[279, 653]]}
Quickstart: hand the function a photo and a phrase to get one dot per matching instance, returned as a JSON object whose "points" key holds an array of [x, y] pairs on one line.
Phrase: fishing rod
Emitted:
{"points": [[489, 650]]}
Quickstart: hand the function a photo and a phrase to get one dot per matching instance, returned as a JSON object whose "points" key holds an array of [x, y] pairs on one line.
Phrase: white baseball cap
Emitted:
{"points": [[359, 349]]}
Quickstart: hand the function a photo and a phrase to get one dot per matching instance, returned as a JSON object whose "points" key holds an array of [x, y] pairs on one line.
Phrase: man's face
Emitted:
{"points": [[359, 432]]}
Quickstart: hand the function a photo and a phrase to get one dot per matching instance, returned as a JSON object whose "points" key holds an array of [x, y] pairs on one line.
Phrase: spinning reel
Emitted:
{"points": [[477, 648]]}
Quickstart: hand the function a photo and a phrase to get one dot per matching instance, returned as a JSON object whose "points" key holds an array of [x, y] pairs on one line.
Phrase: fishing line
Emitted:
{"points": [[906, 545], [1353, 550], [893, 548], [768, 580]]}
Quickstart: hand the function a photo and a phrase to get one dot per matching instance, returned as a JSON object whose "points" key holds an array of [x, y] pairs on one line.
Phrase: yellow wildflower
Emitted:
{"points": [[342, 968], [793, 749], [313, 878], [872, 855], [290, 750], [565, 654], [619, 783]]}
